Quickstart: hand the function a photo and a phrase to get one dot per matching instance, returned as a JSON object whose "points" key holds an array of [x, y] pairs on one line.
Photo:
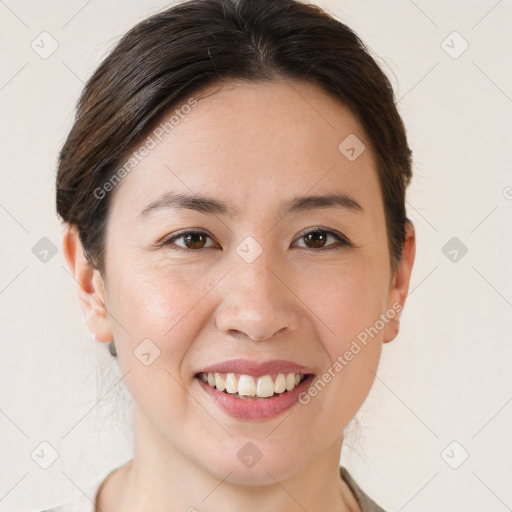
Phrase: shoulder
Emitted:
{"points": [[364, 501]]}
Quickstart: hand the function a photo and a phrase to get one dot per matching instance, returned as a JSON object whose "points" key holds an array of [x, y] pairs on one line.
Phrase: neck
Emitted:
{"points": [[162, 478]]}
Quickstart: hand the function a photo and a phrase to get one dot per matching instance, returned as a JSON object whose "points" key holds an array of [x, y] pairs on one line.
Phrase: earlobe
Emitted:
{"points": [[391, 330], [89, 286], [400, 285]]}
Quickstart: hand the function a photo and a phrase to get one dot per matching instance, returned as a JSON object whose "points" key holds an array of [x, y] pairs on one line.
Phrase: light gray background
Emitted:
{"points": [[448, 375]]}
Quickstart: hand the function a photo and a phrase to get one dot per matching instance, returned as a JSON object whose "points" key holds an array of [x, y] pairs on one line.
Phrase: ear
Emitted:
{"points": [[400, 284], [90, 286]]}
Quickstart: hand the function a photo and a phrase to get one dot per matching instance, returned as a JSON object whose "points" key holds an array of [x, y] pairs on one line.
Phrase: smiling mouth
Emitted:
{"points": [[248, 387]]}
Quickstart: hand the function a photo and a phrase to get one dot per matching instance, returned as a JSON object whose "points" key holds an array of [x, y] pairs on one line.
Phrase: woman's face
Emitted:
{"points": [[253, 283]]}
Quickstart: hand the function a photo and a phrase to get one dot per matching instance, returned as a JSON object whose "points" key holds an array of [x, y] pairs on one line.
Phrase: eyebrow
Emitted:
{"points": [[210, 205]]}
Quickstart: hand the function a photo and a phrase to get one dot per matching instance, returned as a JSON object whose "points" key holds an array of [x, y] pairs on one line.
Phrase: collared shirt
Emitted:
{"points": [[366, 504]]}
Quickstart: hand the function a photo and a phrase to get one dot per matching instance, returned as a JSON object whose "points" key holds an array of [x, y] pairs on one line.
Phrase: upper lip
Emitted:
{"points": [[254, 368]]}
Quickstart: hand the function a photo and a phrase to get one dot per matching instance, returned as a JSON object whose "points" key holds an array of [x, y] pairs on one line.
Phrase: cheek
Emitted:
{"points": [[349, 302], [347, 299], [158, 304], [352, 348], [166, 308]]}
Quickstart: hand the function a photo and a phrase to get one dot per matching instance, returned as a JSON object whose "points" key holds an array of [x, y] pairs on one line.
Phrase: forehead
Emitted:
{"points": [[243, 142]]}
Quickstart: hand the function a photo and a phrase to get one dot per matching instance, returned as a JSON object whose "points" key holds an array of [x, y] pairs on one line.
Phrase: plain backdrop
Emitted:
{"points": [[435, 432]]}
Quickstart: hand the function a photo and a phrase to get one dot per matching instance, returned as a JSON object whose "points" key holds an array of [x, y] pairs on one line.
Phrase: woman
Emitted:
{"points": [[233, 192]]}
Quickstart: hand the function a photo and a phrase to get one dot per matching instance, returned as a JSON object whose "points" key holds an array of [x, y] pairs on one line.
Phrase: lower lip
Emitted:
{"points": [[256, 409]]}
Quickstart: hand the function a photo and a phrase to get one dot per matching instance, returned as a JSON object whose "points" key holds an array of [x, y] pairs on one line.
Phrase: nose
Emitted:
{"points": [[258, 301]]}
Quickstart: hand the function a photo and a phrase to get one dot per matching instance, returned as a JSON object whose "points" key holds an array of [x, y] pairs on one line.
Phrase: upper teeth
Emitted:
{"points": [[248, 385]]}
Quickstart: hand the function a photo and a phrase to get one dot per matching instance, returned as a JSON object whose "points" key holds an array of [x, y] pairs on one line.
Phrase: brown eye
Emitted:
{"points": [[194, 240], [317, 239], [191, 240]]}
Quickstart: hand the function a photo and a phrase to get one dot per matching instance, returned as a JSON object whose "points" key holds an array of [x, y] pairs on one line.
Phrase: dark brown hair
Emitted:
{"points": [[166, 58]]}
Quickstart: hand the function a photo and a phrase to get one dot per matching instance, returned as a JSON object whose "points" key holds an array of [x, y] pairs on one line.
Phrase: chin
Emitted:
{"points": [[251, 466]]}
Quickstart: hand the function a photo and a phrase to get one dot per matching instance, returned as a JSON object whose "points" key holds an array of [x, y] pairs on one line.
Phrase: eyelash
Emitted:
{"points": [[342, 241]]}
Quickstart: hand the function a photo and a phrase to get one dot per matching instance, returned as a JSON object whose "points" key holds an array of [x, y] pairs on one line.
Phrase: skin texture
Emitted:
{"points": [[253, 146]]}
